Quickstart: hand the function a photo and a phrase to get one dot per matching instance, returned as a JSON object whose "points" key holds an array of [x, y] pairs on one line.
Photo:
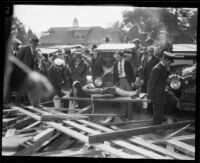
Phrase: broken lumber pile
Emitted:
{"points": [[68, 135]]}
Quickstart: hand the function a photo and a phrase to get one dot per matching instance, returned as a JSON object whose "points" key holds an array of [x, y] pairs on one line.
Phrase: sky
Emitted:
{"points": [[41, 17]]}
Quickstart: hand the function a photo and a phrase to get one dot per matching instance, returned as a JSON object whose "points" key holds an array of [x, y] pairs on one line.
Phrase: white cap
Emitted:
{"points": [[59, 62], [168, 54]]}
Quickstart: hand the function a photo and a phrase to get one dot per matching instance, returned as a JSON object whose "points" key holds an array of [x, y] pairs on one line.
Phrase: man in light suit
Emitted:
{"points": [[124, 77]]}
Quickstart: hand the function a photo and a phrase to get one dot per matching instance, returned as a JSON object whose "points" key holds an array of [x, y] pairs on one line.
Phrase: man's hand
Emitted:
{"points": [[132, 84]]}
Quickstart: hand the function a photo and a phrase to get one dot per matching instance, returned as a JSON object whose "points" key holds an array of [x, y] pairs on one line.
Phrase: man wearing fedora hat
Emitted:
{"points": [[29, 56], [156, 87], [80, 69]]}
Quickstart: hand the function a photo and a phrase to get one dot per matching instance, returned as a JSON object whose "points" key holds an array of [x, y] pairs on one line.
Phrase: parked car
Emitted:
{"points": [[107, 52], [185, 56], [47, 53], [183, 85], [65, 48]]}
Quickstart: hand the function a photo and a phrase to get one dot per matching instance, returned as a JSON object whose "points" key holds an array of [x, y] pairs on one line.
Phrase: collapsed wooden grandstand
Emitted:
{"points": [[28, 131]]}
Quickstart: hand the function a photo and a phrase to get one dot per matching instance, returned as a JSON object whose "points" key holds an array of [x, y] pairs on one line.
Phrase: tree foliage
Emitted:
{"points": [[180, 23], [18, 31]]}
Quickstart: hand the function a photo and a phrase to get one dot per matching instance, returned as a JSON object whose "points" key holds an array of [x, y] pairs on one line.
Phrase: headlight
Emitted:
{"points": [[89, 78], [98, 82], [175, 84]]}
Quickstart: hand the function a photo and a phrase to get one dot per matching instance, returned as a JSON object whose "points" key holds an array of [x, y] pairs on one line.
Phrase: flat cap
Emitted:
{"points": [[16, 41], [136, 40], [163, 32]]}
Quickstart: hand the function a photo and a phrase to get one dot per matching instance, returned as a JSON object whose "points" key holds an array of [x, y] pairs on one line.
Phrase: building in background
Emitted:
{"points": [[86, 36]]}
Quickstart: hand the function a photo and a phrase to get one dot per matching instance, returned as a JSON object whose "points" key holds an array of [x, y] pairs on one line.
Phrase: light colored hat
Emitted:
{"points": [[169, 55], [136, 40], [16, 41], [59, 62]]}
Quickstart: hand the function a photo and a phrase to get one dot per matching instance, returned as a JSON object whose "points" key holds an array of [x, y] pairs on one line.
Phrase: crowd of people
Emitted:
{"points": [[67, 70]]}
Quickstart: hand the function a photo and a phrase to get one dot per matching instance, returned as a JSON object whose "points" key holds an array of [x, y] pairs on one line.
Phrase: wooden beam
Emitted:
{"points": [[52, 117], [22, 123], [32, 125], [67, 153], [115, 99], [183, 147], [127, 122], [180, 138], [134, 132], [177, 132], [10, 132]]}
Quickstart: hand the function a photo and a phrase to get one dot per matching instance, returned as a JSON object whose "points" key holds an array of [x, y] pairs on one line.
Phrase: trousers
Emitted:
{"points": [[126, 107]]}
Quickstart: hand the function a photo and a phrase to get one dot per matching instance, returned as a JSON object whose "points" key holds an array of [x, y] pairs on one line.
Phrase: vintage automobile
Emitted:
{"points": [[183, 85], [47, 53], [185, 55], [67, 48], [107, 52], [182, 81]]}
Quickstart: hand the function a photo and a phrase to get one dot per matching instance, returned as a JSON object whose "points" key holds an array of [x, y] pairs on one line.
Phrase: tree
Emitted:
{"points": [[180, 23], [18, 31]]}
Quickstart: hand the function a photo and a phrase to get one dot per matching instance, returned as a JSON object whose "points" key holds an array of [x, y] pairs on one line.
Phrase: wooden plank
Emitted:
{"points": [[52, 117], [33, 125], [22, 123], [180, 138], [128, 122], [10, 132], [177, 132], [134, 132], [183, 147], [116, 99], [80, 137], [67, 153], [8, 121]]}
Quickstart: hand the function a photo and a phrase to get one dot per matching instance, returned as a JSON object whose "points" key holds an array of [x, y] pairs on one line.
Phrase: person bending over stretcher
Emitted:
{"points": [[87, 90]]}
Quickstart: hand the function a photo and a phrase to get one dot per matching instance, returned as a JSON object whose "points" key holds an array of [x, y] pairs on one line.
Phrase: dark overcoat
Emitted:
{"points": [[147, 68], [79, 72], [25, 55], [157, 84]]}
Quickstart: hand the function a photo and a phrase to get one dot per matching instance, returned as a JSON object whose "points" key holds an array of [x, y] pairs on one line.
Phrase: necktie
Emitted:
{"points": [[120, 69]]}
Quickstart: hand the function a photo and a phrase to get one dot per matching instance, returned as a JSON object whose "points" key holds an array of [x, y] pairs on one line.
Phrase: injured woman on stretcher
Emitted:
{"points": [[80, 91]]}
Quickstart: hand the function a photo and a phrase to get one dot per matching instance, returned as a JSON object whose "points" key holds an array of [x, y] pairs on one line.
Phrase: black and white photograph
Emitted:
{"points": [[100, 81]]}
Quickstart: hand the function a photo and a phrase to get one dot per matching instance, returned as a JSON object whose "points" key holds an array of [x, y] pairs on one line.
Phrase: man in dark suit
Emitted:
{"points": [[124, 78], [148, 64], [156, 87], [29, 57]]}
